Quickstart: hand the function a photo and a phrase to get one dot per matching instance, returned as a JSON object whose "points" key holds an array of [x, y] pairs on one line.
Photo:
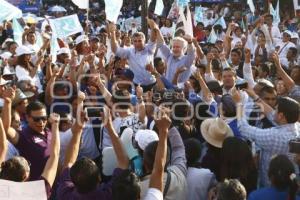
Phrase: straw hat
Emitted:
{"points": [[215, 131]]}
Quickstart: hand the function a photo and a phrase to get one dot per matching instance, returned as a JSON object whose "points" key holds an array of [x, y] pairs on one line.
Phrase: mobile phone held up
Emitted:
{"points": [[94, 112]]}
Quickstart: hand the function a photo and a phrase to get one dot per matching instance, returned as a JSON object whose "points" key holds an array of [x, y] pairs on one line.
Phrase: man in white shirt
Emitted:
{"points": [[273, 30], [285, 45]]}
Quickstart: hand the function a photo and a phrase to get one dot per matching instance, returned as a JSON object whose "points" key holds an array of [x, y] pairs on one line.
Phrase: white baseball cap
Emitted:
{"points": [[145, 137], [288, 32], [21, 50], [64, 50], [295, 35], [80, 39], [6, 55]]}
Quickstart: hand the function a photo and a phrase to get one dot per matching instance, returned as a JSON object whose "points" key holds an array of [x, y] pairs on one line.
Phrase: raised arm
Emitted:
{"points": [[73, 147], [247, 70], [3, 143], [156, 179], [288, 81], [112, 30], [207, 95], [141, 104], [50, 169], [12, 135], [120, 152]]}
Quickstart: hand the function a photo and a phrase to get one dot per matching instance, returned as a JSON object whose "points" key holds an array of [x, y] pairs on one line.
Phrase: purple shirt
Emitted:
{"points": [[67, 191], [35, 147]]}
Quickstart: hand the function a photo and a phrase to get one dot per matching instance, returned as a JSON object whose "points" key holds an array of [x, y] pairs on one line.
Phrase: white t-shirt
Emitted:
{"points": [[153, 194], [166, 31], [132, 121], [23, 74], [65, 138]]}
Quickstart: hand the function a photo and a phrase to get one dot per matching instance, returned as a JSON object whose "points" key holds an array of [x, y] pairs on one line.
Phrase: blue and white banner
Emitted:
{"points": [[32, 6], [199, 14], [66, 26], [183, 3]]}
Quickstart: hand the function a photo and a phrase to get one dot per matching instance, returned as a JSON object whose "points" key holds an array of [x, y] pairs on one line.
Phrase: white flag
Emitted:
{"points": [[251, 5], [189, 23], [82, 4], [296, 5], [275, 13], [66, 26], [221, 21], [9, 11], [159, 7], [212, 37], [112, 9]]}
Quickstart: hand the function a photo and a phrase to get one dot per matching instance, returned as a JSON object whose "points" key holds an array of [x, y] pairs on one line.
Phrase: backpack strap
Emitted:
{"points": [[167, 185]]}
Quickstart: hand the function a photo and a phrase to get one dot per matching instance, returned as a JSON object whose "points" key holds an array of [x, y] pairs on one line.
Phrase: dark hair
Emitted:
{"points": [[265, 68], [156, 61], [289, 108], [240, 166], [267, 89], [229, 69], [14, 169], [192, 151], [85, 175], [238, 51], [126, 185], [122, 98], [231, 190], [280, 171], [150, 152], [34, 106], [22, 63], [293, 50], [228, 106]]}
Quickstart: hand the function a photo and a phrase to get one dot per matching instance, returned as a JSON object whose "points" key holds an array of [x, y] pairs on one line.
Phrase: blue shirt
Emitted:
{"points": [[269, 193], [272, 141], [138, 60], [174, 63]]}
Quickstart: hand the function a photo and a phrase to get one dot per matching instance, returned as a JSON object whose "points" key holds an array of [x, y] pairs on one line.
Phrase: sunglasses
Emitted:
{"points": [[37, 119]]}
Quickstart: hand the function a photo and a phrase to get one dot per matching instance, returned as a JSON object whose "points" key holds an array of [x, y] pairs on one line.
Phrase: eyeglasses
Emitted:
{"points": [[37, 119]]}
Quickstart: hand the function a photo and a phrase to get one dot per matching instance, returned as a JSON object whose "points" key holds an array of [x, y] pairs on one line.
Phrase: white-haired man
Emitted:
{"points": [[178, 64]]}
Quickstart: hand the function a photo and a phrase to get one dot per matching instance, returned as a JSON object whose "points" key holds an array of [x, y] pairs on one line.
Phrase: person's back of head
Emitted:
{"points": [[289, 108], [15, 169], [282, 175], [85, 175], [192, 151], [231, 189], [126, 185]]}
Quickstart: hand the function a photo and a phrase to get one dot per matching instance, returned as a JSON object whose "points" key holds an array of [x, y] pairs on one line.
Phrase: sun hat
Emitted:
{"points": [[215, 130]]}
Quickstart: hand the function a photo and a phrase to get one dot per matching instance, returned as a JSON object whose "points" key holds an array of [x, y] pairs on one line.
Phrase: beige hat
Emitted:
{"points": [[215, 131]]}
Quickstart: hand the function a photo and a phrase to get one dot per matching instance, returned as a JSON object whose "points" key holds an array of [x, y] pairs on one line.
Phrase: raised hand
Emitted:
{"points": [[9, 94], [54, 118], [163, 120], [247, 55], [139, 91]]}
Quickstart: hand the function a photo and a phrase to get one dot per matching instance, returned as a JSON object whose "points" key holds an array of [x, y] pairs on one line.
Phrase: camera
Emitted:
{"points": [[294, 146]]}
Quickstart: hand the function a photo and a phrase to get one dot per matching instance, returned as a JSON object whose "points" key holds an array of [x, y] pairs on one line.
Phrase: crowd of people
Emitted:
{"points": [[176, 116]]}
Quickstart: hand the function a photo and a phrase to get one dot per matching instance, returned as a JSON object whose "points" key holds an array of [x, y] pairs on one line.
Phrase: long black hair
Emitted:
{"points": [[282, 175]]}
